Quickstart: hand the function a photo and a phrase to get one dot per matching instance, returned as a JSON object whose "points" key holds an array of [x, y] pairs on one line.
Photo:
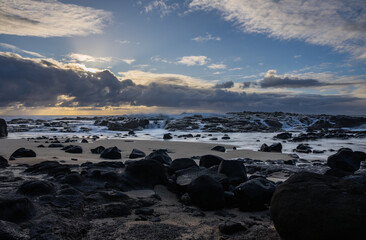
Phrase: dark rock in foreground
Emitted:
{"points": [[312, 206], [161, 156], [11, 231], [234, 170], [16, 209], [231, 227], [73, 149], [208, 161], [36, 187], [345, 159], [182, 163], [3, 128], [145, 174], [136, 154], [111, 153], [51, 168], [207, 193], [255, 194], [22, 152], [97, 150], [3, 162]]}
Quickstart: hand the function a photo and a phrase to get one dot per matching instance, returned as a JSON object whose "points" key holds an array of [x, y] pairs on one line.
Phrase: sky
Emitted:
{"points": [[91, 57]]}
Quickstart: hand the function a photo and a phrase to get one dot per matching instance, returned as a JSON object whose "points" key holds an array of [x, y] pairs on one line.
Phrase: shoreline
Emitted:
{"points": [[176, 149]]}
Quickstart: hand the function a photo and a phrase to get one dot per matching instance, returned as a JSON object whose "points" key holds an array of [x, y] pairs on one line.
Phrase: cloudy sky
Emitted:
{"points": [[120, 57]]}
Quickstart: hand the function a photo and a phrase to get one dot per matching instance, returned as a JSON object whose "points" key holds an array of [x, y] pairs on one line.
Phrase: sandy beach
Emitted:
{"points": [[175, 150]]}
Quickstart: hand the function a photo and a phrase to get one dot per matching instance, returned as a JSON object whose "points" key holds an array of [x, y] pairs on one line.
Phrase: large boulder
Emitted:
{"points": [[111, 153], [207, 193], [137, 154], [16, 209], [182, 163], [3, 162], [345, 159], [73, 149], [145, 174], [186, 176], [208, 161], [255, 194], [22, 152], [52, 168], [3, 128], [161, 156], [313, 206], [97, 150], [234, 170], [36, 187]]}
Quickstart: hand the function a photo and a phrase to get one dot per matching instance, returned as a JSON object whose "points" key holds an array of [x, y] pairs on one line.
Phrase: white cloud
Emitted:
{"points": [[207, 37], [159, 59], [337, 23], [193, 60], [217, 66], [146, 78], [128, 61], [162, 6], [235, 69], [123, 41], [50, 19], [77, 57], [16, 49]]}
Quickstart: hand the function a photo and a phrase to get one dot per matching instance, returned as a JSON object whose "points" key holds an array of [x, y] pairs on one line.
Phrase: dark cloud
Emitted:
{"points": [[286, 82], [42, 83], [228, 84]]}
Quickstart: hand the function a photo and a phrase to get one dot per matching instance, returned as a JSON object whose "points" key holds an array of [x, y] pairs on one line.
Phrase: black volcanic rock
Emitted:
{"points": [[161, 156], [111, 153], [207, 193], [145, 174], [219, 148], [182, 163], [283, 136], [73, 149], [275, 147], [345, 159], [12, 231], [303, 148], [136, 154], [22, 152], [313, 206], [3, 128], [97, 150], [3, 162], [167, 136], [16, 209], [36, 187], [52, 168], [208, 161], [255, 194], [127, 125], [234, 170], [55, 145], [273, 123]]}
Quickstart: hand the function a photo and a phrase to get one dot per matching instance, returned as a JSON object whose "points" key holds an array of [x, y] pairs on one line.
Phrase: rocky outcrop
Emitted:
{"points": [[345, 159], [3, 128], [313, 206]]}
